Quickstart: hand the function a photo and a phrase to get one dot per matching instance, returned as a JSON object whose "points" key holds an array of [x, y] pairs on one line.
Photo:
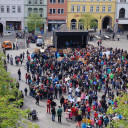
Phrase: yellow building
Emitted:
{"points": [[102, 10]]}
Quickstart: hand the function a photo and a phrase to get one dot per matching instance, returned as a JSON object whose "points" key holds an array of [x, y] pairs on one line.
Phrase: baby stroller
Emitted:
{"points": [[33, 115]]}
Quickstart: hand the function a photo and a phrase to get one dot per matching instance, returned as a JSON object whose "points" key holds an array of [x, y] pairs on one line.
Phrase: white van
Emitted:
{"points": [[40, 41]]}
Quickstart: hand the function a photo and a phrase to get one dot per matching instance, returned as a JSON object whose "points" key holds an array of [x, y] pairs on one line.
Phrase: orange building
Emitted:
{"points": [[57, 13]]}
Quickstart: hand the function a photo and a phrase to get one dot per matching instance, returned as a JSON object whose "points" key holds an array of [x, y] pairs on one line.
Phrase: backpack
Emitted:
{"points": [[76, 111], [59, 111]]}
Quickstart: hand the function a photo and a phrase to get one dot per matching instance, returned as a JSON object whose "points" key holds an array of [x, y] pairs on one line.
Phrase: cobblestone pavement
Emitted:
{"points": [[29, 102]]}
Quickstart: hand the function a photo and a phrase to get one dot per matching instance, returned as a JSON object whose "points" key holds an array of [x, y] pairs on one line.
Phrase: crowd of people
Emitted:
{"points": [[85, 80]]}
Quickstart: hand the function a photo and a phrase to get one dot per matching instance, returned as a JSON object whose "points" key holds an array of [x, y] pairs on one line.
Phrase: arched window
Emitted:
{"points": [[122, 13], [29, 11], [73, 24], [35, 10], [41, 12]]}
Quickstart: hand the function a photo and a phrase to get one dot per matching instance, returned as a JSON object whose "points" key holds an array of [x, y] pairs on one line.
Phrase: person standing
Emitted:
{"points": [[59, 113], [25, 90], [118, 37], [19, 74], [48, 105], [53, 113], [37, 99], [8, 58], [11, 60], [17, 45], [79, 119], [62, 101]]}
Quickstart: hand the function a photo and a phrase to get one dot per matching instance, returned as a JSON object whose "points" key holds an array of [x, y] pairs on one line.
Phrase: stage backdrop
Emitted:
{"points": [[74, 39]]}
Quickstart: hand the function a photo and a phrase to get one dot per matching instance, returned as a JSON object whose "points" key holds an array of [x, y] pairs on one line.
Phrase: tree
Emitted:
{"points": [[34, 21], [88, 21], [122, 109], [11, 116]]}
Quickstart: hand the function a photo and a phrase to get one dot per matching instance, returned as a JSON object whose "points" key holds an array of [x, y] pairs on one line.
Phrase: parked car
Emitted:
{"points": [[40, 41], [6, 45]]}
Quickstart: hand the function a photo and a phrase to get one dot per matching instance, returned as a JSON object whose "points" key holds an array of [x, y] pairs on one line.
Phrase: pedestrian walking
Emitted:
{"points": [[59, 113], [8, 58], [17, 45], [23, 55], [13, 46], [37, 99], [11, 60], [25, 90], [19, 74], [53, 113]]}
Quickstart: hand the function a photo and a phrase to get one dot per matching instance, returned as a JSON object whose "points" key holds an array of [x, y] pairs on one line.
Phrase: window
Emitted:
{"points": [[103, 9], [41, 1], [19, 9], [91, 8], [8, 9], [122, 13], [78, 8], [41, 12], [50, 1], [97, 8], [60, 1], [35, 1], [13, 9], [83, 8], [109, 8], [29, 11], [29, 2], [58, 11], [50, 11], [54, 11], [122, 0], [54, 1], [103, 0], [62, 11], [98, 0], [72, 8], [2, 9]]}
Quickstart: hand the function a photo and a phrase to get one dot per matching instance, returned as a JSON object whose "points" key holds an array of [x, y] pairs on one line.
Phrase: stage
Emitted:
{"points": [[70, 39]]}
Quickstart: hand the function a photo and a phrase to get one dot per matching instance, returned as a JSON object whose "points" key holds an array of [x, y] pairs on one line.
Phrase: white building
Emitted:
{"points": [[122, 14], [11, 15]]}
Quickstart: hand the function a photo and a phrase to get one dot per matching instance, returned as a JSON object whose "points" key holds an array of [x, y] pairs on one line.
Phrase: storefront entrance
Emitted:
{"points": [[1, 28]]}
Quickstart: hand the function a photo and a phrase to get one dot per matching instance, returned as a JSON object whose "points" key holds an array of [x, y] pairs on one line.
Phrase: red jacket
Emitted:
{"points": [[88, 109], [99, 122], [48, 102]]}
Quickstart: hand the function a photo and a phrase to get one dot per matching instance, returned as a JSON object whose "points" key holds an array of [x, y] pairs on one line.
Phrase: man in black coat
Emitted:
{"points": [[53, 113]]}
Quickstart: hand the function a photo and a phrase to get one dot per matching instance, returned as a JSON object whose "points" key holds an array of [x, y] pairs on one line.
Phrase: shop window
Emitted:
{"points": [[13, 25]]}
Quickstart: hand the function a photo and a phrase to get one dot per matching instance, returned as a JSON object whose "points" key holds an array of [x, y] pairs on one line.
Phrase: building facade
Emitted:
{"points": [[36, 6], [122, 14], [57, 13], [11, 16], [102, 10]]}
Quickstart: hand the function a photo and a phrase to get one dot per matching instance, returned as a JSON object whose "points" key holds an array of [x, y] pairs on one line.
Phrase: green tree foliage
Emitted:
{"points": [[34, 21], [11, 116], [122, 109], [88, 21]]}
